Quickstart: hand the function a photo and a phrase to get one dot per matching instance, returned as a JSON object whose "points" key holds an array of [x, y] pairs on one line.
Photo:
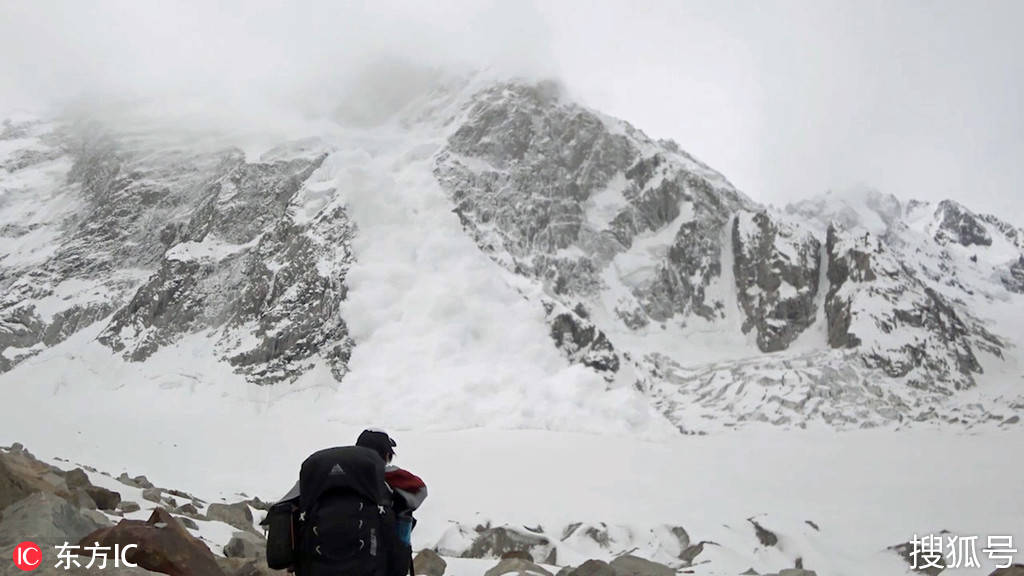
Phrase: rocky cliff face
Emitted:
{"points": [[650, 240], [650, 268], [777, 269], [161, 241]]}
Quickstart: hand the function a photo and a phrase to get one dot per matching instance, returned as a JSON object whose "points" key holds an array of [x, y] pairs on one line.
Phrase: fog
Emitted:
{"points": [[788, 99]]}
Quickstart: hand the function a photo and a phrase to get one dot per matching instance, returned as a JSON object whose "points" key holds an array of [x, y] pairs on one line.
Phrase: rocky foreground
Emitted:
{"points": [[178, 533]]}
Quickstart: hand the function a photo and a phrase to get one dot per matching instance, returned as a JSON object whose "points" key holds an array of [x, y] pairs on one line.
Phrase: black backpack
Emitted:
{"points": [[347, 523]]}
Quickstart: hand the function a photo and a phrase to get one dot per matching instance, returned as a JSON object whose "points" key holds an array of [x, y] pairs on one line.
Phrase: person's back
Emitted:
{"points": [[350, 513]]}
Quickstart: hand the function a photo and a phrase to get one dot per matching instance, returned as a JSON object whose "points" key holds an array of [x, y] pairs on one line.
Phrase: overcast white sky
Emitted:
{"points": [[787, 98]]}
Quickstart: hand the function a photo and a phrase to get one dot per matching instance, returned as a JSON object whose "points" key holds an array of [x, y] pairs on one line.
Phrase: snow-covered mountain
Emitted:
{"points": [[500, 238]]}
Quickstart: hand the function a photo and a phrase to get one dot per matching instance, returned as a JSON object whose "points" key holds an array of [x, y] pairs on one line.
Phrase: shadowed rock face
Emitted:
{"points": [[909, 330], [959, 225], [242, 264], [166, 241], [777, 271], [557, 193]]}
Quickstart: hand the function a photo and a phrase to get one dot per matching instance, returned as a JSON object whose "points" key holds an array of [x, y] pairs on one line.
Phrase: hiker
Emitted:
{"points": [[350, 513], [408, 490]]}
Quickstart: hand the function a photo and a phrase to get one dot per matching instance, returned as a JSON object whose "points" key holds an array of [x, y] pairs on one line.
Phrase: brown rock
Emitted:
{"points": [[517, 566], [428, 563], [105, 499], [163, 545], [630, 565], [77, 478]]}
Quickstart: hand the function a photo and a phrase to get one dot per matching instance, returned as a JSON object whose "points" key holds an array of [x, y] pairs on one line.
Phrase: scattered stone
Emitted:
{"points": [[237, 515], [152, 494], [428, 563], [629, 565], [245, 545], [127, 506], [188, 508], [163, 545], [517, 566]]}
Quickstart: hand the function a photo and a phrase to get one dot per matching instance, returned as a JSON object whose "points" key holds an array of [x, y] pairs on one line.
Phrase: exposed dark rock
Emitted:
{"points": [[764, 536], [777, 271], [959, 225], [871, 290], [581, 340]]}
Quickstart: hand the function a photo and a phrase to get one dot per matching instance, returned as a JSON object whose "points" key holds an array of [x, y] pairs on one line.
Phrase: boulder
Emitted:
{"points": [[245, 545], [163, 545], [187, 522], [238, 515], [76, 478], [517, 566], [127, 506], [152, 494], [593, 568], [47, 519], [629, 565], [80, 498], [428, 563], [188, 508], [105, 499]]}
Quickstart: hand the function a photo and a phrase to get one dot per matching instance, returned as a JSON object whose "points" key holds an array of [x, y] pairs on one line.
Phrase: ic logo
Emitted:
{"points": [[28, 556]]}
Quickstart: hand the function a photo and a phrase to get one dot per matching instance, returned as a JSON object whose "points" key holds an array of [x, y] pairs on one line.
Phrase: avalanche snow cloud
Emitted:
{"points": [[493, 254]]}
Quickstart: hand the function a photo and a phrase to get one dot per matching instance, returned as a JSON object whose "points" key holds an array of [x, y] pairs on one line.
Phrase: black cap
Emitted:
{"points": [[378, 441]]}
